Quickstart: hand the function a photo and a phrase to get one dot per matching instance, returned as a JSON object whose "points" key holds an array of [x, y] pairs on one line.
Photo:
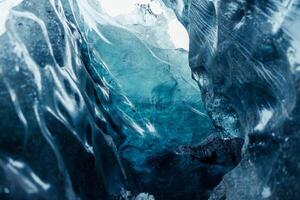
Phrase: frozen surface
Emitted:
{"points": [[100, 102], [245, 58], [87, 99], [149, 81]]}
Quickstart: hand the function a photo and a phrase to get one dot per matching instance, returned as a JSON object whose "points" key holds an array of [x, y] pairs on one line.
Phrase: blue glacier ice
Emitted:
{"points": [[151, 92], [101, 106]]}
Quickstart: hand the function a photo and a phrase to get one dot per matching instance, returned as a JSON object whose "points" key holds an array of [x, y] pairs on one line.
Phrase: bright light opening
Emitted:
{"points": [[175, 29], [178, 34]]}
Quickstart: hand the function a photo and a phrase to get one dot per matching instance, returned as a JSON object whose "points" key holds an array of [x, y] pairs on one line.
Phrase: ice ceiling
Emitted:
{"points": [[149, 99]]}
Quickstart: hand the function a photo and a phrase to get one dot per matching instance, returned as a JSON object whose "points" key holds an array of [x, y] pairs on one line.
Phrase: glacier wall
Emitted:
{"points": [[89, 107], [245, 57]]}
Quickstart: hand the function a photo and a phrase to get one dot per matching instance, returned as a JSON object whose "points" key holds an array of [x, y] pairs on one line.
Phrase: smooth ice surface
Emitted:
{"points": [[149, 81]]}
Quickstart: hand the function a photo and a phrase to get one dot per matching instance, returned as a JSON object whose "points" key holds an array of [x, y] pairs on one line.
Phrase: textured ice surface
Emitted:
{"points": [[97, 105], [245, 58], [86, 101]]}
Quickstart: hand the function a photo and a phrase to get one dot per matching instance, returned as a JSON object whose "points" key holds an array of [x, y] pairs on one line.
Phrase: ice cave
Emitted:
{"points": [[149, 99]]}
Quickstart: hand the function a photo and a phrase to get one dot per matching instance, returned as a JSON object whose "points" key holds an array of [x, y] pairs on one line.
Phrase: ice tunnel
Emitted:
{"points": [[149, 99]]}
